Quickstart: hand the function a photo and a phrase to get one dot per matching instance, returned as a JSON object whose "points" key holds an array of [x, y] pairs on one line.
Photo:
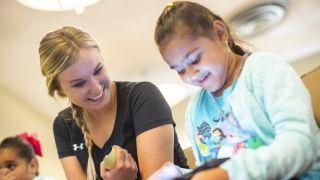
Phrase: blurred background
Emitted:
{"points": [[124, 29]]}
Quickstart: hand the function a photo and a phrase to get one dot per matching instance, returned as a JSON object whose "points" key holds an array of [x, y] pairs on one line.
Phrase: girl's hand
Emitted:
{"points": [[6, 175], [125, 167], [167, 171], [215, 173]]}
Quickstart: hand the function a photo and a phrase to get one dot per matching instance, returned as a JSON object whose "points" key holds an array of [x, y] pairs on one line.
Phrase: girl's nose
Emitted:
{"points": [[192, 72], [4, 171]]}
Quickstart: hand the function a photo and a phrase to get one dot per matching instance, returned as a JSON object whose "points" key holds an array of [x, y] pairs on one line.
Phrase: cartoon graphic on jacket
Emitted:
{"points": [[219, 134]]}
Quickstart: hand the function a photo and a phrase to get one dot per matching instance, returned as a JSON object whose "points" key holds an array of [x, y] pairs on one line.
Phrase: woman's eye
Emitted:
{"points": [[78, 84], [11, 166], [98, 71]]}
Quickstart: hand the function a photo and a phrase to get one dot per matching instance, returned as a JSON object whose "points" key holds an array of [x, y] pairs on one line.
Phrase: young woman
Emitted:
{"points": [[132, 117]]}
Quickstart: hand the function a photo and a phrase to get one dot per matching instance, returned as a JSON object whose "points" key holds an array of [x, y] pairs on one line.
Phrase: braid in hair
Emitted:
{"points": [[58, 51], [78, 115], [235, 48]]}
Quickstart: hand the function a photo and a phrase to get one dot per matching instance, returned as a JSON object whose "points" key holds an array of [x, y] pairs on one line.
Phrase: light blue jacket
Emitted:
{"points": [[272, 98]]}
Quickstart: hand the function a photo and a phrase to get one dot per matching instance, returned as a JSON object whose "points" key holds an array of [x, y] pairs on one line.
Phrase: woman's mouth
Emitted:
{"points": [[99, 96]]}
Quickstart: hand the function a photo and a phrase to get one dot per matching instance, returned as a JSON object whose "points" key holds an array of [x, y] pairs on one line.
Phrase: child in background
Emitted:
{"points": [[257, 102], [18, 158]]}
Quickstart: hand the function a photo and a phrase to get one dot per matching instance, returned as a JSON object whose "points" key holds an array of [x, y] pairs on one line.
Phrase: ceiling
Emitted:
{"points": [[124, 30]]}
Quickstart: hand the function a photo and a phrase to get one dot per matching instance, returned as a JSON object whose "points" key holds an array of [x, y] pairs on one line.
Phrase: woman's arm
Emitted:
{"points": [[72, 168], [154, 148], [215, 173]]}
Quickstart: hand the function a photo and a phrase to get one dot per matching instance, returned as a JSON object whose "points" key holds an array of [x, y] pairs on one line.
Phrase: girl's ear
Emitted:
{"points": [[220, 31], [34, 165]]}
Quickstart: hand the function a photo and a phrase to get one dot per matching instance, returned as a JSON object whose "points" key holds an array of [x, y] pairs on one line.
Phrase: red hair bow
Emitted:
{"points": [[33, 140]]}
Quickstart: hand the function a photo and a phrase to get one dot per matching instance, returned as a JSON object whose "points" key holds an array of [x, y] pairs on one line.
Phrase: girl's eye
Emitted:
{"points": [[78, 84], [197, 60], [182, 71], [11, 166], [97, 72]]}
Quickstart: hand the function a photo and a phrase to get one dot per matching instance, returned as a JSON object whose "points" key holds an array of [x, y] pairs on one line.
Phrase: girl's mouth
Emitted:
{"points": [[204, 78]]}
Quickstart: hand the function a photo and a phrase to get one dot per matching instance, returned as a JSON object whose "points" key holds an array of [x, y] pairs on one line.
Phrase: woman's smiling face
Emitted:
{"points": [[86, 82]]}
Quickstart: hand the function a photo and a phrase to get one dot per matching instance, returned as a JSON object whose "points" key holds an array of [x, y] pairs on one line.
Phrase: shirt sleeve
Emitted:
{"points": [[62, 138], [149, 108], [282, 95]]}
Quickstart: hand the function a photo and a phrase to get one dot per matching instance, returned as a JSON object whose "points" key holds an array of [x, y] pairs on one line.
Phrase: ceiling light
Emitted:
{"points": [[258, 18], [173, 93], [59, 5]]}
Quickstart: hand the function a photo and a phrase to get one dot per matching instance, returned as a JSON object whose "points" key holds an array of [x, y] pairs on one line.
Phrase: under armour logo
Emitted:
{"points": [[75, 147]]}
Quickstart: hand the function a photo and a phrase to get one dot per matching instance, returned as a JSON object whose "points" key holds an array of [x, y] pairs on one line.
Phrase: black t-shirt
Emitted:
{"points": [[140, 107]]}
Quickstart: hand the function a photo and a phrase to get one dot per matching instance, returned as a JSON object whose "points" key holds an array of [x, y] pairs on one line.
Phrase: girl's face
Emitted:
{"points": [[199, 61], [86, 82], [11, 165]]}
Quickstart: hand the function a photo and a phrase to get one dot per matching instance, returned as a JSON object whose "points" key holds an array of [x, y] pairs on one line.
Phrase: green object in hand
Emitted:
{"points": [[110, 159]]}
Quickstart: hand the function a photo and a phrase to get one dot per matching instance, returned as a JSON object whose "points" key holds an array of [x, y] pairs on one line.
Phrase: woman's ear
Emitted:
{"points": [[60, 92], [220, 30], [34, 166]]}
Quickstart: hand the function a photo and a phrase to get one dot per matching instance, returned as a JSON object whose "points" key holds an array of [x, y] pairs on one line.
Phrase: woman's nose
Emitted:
{"points": [[95, 86]]}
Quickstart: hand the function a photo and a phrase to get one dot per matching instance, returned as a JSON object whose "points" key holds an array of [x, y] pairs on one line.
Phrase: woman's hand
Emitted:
{"points": [[125, 167], [6, 175], [215, 173]]}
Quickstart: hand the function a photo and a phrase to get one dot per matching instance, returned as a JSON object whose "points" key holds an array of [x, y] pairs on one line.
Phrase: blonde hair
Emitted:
{"points": [[58, 51]]}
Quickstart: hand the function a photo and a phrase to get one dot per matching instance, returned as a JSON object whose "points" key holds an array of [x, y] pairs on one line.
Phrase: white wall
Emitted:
{"points": [[17, 117], [305, 65]]}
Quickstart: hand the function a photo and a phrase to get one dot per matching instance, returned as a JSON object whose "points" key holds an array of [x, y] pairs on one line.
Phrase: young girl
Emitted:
{"points": [[132, 117], [252, 107], [18, 158]]}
